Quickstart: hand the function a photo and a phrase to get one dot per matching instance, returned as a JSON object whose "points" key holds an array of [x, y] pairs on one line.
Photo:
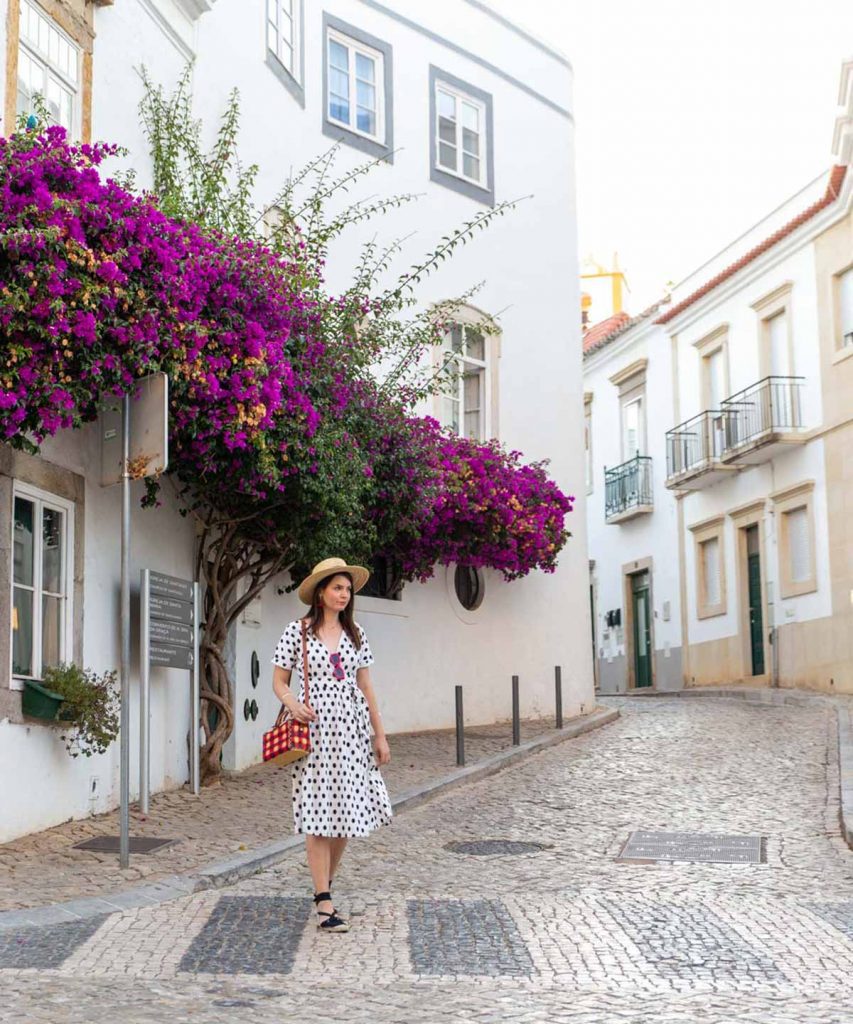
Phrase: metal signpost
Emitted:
{"points": [[134, 444], [168, 639]]}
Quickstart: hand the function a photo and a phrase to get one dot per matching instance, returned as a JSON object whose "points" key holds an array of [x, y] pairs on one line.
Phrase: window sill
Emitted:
{"points": [[787, 590], [354, 131], [480, 193], [461, 177], [712, 612], [364, 143], [842, 353]]}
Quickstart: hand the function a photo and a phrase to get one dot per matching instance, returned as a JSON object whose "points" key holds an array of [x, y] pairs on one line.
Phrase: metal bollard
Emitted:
{"points": [[558, 694], [516, 720], [460, 728]]}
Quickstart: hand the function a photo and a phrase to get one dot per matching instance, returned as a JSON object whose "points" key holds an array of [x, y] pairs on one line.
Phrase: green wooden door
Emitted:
{"points": [[642, 630], [756, 619]]}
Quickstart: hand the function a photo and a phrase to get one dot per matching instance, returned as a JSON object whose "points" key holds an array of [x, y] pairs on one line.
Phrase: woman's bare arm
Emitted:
{"points": [[380, 742], [281, 687]]}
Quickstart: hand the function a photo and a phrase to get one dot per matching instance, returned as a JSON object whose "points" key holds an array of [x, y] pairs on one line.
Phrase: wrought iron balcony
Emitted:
{"points": [[761, 418], [694, 451], [628, 489]]}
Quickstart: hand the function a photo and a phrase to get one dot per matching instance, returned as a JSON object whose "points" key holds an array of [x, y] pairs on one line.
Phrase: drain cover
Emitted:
{"points": [[110, 844], [694, 846], [485, 847]]}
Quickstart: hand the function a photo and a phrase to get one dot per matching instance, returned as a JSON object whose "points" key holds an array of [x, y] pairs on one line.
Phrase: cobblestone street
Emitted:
{"points": [[566, 934]]}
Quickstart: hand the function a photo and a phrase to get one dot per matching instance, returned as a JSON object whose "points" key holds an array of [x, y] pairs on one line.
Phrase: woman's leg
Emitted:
{"points": [[338, 845], [319, 852]]}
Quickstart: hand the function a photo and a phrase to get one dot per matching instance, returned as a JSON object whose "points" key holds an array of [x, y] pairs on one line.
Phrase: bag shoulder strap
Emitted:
{"points": [[305, 658]]}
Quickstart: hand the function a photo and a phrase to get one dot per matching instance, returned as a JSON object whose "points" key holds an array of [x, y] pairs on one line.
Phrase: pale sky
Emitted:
{"points": [[694, 119]]}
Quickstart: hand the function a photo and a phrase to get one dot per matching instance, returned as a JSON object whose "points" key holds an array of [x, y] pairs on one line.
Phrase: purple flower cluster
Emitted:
{"points": [[483, 507], [276, 419]]}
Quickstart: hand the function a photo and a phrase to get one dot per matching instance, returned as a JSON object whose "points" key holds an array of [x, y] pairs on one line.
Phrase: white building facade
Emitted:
{"points": [[454, 99], [742, 536]]}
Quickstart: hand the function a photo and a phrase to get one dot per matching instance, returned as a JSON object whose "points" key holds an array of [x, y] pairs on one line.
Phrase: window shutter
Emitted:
{"points": [[777, 337], [845, 289], [711, 566], [797, 523], [716, 383]]}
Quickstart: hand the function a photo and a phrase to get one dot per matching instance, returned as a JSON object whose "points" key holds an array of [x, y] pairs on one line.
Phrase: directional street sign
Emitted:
{"points": [[167, 656], [162, 632], [171, 586], [169, 612], [169, 609]]}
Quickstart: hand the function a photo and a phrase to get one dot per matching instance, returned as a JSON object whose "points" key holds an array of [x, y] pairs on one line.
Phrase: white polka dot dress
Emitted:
{"points": [[338, 789]]}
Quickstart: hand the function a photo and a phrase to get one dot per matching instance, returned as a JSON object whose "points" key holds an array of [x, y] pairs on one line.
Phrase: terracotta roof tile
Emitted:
{"points": [[599, 332], [833, 190], [608, 330]]}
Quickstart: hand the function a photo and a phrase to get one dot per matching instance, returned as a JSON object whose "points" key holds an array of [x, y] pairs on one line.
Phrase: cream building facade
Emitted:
{"points": [[755, 353]]}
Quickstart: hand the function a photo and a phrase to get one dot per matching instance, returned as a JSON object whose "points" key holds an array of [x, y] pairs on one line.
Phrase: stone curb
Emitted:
{"points": [[776, 697], [233, 869]]}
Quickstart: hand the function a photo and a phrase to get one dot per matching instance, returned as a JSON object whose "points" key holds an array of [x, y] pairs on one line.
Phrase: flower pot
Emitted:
{"points": [[39, 702]]}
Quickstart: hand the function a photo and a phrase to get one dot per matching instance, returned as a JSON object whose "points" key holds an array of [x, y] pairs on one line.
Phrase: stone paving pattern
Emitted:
{"points": [[249, 809], [575, 936]]}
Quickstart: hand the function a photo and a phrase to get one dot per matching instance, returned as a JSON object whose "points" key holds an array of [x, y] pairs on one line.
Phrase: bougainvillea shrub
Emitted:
{"points": [[272, 412]]}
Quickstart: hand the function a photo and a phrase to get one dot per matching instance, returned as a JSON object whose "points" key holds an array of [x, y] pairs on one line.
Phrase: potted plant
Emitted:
{"points": [[90, 707], [38, 701]]}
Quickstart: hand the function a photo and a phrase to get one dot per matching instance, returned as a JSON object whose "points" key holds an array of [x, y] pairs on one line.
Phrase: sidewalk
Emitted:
{"points": [[248, 811]]}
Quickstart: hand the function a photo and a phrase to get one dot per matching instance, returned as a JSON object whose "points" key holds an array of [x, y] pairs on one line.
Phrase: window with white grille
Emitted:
{"points": [[711, 573], [845, 306], [283, 30], [355, 86], [465, 402], [799, 546], [42, 546], [48, 66], [461, 134]]}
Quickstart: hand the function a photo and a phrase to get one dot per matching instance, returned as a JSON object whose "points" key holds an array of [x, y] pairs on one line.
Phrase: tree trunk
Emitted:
{"points": [[234, 571]]}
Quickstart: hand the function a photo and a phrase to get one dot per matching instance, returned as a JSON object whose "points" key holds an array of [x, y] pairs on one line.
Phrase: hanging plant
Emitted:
{"points": [[90, 708]]}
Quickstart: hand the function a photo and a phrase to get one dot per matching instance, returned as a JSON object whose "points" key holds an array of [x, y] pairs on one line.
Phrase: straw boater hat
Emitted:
{"points": [[331, 567]]}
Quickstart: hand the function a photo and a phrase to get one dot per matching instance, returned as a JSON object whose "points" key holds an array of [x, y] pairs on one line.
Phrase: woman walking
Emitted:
{"points": [[338, 791]]}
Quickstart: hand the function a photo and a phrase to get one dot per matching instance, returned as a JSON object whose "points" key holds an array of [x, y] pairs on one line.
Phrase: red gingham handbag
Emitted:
{"points": [[288, 740]]}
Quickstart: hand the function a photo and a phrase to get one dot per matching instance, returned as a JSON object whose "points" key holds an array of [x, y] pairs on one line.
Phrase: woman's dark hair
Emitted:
{"points": [[315, 615]]}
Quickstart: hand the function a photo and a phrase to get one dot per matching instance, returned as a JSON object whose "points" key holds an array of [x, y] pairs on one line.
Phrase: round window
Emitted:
{"points": [[469, 587]]}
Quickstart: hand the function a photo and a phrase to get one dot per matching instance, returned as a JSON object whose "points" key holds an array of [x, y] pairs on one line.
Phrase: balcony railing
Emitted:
{"points": [[770, 407], [628, 488], [697, 444]]}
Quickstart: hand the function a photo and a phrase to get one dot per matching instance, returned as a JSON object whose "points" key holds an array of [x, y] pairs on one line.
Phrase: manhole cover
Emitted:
{"points": [[485, 847], [110, 844], [694, 846]]}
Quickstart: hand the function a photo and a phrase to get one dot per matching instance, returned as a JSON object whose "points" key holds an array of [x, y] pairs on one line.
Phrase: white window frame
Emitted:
{"points": [[294, 14], [637, 398], [460, 96], [44, 499], [354, 47], [45, 59], [463, 361]]}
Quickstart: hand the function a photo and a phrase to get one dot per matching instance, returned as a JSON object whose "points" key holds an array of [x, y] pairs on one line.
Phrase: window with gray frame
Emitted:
{"points": [[357, 88], [461, 136], [285, 43]]}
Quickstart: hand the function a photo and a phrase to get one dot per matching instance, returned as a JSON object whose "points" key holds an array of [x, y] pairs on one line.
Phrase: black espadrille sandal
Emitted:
{"points": [[332, 922]]}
